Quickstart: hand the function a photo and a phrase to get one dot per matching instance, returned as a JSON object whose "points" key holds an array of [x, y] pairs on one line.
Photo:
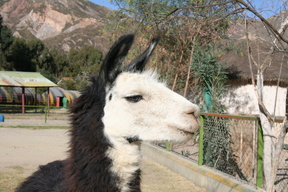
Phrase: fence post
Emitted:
{"points": [[168, 148], [45, 118], [201, 139], [259, 176]]}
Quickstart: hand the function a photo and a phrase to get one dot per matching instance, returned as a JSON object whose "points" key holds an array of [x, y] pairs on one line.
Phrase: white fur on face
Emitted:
{"points": [[161, 115]]}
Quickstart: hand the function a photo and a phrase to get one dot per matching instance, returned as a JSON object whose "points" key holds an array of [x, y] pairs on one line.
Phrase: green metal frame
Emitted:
{"points": [[201, 138], [260, 147], [260, 141], [168, 146]]}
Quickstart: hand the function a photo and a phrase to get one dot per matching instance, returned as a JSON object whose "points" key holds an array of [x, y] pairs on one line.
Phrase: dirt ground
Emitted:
{"points": [[26, 149]]}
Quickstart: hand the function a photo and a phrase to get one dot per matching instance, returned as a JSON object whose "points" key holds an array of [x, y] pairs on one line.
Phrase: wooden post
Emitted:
{"points": [[168, 146], [201, 141], [35, 101], [23, 99], [260, 143], [45, 110], [48, 99], [241, 147]]}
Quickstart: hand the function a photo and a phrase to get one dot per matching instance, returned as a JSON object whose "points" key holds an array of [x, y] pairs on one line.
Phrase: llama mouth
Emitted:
{"points": [[186, 132]]}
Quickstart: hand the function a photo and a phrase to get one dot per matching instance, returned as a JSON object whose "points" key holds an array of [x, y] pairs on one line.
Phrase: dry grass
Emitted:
{"points": [[154, 178], [10, 178], [36, 127]]}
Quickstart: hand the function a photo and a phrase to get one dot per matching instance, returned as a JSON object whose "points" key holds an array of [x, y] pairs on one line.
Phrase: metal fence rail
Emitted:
{"points": [[234, 145], [43, 112]]}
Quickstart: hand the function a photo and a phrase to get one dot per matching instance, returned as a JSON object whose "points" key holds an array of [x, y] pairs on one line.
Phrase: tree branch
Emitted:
{"points": [[261, 105], [198, 6], [275, 31], [270, 26]]}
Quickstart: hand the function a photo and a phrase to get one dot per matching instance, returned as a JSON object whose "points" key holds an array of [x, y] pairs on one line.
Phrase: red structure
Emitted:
{"points": [[24, 80]]}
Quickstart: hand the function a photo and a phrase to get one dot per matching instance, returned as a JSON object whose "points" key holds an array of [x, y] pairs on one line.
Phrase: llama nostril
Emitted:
{"points": [[194, 110], [195, 114], [191, 113]]}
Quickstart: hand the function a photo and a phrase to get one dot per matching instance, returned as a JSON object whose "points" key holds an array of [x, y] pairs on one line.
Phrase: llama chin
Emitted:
{"points": [[109, 120]]}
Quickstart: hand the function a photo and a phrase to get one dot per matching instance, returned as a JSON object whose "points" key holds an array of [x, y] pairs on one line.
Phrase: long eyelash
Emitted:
{"points": [[134, 98]]}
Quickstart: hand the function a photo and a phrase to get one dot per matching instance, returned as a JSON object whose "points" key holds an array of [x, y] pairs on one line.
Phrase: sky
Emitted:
{"points": [[269, 6], [105, 3]]}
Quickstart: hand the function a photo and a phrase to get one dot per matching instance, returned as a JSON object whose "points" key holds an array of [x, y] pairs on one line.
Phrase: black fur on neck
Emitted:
{"points": [[88, 167]]}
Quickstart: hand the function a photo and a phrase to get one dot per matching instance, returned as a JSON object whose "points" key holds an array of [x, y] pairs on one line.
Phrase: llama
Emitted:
{"points": [[121, 108]]}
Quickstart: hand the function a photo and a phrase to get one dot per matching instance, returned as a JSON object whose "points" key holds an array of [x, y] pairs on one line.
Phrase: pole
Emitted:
{"points": [[35, 101], [260, 143], [23, 99], [201, 140], [48, 100], [168, 146]]}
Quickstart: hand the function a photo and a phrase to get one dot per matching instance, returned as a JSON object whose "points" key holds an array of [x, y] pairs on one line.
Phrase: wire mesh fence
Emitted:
{"points": [[188, 149], [233, 145], [281, 183], [34, 112], [224, 147]]}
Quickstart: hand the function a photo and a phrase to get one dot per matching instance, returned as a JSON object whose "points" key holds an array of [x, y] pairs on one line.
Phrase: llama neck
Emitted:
{"points": [[100, 163], [126, 158], [88, 167]]}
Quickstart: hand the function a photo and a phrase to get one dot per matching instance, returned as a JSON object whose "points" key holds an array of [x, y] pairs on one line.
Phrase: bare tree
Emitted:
{"points": [[181, 28], [277, 44]]}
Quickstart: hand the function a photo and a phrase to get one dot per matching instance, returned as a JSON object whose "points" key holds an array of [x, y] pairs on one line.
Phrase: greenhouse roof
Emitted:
{"points": [[24, 79]]}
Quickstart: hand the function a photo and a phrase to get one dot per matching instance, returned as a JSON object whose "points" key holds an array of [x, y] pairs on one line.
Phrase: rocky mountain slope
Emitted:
{"points": [[66, 24], [62, 24], [261, 42]]}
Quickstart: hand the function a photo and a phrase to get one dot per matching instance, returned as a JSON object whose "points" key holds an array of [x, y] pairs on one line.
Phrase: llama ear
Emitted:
{"points": [[139, 63], [114, 58]]}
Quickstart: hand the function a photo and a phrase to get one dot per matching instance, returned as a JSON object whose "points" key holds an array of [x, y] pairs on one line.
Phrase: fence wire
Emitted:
{"points": [[189, 149], [281, 183], [230, 146]]}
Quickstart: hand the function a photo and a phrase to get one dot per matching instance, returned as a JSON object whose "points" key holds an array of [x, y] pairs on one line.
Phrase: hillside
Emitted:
{"points": [[261, 42], [61, 24], [66, 24]]}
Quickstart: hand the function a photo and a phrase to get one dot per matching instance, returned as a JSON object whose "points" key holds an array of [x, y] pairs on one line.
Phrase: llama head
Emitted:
{"points": [[138, 106]]}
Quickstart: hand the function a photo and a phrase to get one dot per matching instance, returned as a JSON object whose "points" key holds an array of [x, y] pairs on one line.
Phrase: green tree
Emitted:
{"points": [[181, 24], [6, 36], [53, 62], [45, 61], [84, 59], [36, 47], [70, 85], [30, 55], [212, 78], [211, 75], [47, 74], [20, 56], [6, 39], [83, 64], [60, 63]]}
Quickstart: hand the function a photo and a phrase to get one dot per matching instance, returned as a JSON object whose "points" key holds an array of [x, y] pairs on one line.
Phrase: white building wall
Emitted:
{"points": [[242, 100]]}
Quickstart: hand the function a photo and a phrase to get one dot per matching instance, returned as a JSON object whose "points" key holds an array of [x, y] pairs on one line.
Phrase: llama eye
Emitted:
{"points": [[134, 98]]}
